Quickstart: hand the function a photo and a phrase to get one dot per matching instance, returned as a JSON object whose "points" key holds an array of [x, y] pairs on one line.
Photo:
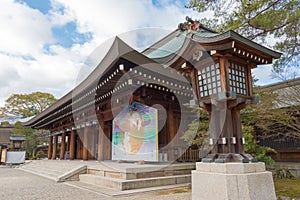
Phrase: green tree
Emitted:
{"points": [[275, 113], [251, 146], [197, 130], [5, 124], [258, 20], [31, 140], [27, 105]]}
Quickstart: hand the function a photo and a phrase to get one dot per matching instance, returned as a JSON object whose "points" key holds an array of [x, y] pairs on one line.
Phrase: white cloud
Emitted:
{"points": [[264, 74], [26, 66], [108, 18], [23, 30]]}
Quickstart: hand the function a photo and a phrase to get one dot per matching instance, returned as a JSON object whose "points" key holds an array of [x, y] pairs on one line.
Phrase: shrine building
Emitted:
{"points": [[137, 105]]}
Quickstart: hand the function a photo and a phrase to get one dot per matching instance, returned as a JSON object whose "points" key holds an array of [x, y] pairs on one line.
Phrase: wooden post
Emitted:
{"points": [[62, 146], [230, 134], [171, 131], [54, 148], [72, 144], [79, 143], [101, 140], [223, 71], [68, 142], [107, 145], [213, 127], [50, 143], [91, 144], [85, 143], [239, 133]]}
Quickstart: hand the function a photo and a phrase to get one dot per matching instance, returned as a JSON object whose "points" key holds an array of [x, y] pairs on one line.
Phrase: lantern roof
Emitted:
{"points": [[210, 40]]}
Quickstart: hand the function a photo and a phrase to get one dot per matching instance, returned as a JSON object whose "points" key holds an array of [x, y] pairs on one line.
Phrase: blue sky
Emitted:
{"points": [[44, 43]]}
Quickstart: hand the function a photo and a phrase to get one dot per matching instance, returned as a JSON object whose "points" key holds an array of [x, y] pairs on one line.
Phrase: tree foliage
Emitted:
{"points": [[32, 138], [27, 105], [197, 130], [258, 20], [275, 114], [252, 147]]}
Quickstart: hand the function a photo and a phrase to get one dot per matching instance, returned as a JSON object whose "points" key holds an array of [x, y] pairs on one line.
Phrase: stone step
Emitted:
{"points": [[130, 172], [46, 169], [111, 192], [121, 184], [38, 171], [51, 170]]}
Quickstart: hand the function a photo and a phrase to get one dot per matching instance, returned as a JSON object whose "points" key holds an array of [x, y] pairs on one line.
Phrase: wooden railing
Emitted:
{"points": [[180, 154], [280, 144], [190, 155]]}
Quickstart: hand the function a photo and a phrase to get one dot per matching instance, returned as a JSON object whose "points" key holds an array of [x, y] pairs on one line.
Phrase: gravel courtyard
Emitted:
{"points": [[17, 185]]}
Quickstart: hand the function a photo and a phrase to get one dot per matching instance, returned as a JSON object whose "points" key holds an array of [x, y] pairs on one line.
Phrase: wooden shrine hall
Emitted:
{"points": [[183, 71]]}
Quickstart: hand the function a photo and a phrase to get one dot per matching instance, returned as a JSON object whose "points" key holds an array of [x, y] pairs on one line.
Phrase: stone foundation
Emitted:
{"points": [[232, 181]]}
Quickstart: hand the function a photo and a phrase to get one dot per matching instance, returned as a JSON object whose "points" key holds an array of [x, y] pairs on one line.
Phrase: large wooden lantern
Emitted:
{"points": [[224, 86], [224, 89]]}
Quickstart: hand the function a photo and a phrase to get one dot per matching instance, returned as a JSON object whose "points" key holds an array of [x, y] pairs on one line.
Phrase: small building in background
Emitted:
{"points": [[287, 141], [16, 142], [9, 142], [5, 133]]}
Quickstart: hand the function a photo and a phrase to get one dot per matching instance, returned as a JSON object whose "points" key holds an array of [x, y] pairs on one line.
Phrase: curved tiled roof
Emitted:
{"points": [[119, 49], [172, 43], [170, 47]]}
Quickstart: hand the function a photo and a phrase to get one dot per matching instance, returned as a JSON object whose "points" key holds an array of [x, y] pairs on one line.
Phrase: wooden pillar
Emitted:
{"points": [[213, 129], [107, 142], [79, 143], [62, 146], [230, 133], [68, 142], [50, 143], [85, 143], [54, 148], [238, 128], [72, 144], [92, 143], [171, 131], [223, 71], [101, 141]]}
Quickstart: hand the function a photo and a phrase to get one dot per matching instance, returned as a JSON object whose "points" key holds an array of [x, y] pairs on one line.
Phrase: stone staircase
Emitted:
{"points": [[121, 184], [113, 178], [58, 171], [124, 176]]}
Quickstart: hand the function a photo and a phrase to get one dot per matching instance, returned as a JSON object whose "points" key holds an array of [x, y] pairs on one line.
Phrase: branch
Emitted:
{"points": [[266, 30], [260, 12]]}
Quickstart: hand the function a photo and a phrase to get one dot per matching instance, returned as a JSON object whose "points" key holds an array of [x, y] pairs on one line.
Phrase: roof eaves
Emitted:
{"points": [[118, 47], [254, 45], [235, 36]]}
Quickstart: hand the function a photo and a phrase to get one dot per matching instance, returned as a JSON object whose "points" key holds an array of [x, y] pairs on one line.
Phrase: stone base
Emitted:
{"points": [[234, 181]]}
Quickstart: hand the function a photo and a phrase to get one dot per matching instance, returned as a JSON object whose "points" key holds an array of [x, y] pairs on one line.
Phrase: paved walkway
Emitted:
{"points": [[20, 185]]}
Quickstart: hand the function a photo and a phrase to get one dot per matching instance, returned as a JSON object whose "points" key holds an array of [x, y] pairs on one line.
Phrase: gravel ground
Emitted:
{"points": [[17, 185]]}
